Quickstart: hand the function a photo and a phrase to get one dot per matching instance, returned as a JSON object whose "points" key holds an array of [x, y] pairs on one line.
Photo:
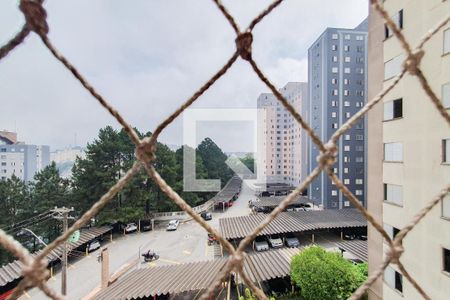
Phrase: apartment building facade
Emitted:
{"points": [[281, 158], [410, 142], [20, 159], [337, 64]]}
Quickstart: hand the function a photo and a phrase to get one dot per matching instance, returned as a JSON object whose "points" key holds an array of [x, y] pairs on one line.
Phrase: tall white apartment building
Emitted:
{"points": [[281, 159], [409, 150], [20, 159]]}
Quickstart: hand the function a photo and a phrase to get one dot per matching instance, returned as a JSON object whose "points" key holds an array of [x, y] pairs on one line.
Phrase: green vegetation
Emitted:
{"points": [[325, 275], [248, 295], [108, 157]]}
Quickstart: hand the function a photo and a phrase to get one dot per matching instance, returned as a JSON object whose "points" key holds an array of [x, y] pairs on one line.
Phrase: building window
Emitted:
{"points": [[334, 70], [346, 159], [393, 279], [346, 92], [393, 152], [393, 67], [347, 103], [359, 148], [334, 36], [335, 58], [346, 148], [347, 137], [346, 181], [347, 115], [391, 230], [334, 80], [359, 137], [345, 170], [398, 20], [346, 81], [334, 125], [346, 203], [359, 71], [346, 48], [359, 181], [447, 41], [393, 194], [334, 47], [335, 92], [333, 103], [347, 70], [333, 193], [393, 109], [359, 38], [446, 94], [358, 192], [359, 159], [347, 59], [347, 36], [446, 151], [446, 207], [333, 114], [446, 259]]}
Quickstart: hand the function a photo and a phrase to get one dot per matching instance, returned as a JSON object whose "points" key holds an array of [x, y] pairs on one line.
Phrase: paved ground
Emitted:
{"points": [[188, 243]]}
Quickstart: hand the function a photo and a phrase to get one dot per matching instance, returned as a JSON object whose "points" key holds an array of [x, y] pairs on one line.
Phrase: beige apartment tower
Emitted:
{"points": [[409, 150]]}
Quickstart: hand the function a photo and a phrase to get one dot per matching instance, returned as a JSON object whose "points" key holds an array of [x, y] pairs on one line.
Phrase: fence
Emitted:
{"points": [[34, 270]]}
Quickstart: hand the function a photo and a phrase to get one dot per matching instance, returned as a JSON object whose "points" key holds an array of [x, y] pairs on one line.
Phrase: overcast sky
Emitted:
{"points": [[146, 57]]}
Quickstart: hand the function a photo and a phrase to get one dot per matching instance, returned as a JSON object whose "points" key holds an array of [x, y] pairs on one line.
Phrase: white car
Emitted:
{"points": [[260, 244], [131, 227], [94, 245], [173, 225], [275, 241]]}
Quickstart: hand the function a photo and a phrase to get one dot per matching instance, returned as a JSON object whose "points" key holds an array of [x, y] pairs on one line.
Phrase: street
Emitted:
{"points": [[188, 243]]}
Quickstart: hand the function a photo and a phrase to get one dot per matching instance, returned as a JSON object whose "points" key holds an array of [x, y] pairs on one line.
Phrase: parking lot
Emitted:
{"points": [[188, 243]]}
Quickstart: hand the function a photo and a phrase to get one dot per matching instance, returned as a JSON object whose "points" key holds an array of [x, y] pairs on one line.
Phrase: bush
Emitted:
{"points": [[325, 275]]}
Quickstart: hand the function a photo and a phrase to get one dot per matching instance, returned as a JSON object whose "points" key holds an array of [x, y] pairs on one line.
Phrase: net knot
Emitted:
{"points": [[413, 61], [394, 253], [35, 16], [236, 260], [145, 152], [327, 158], [244, 45], [36, 272]]}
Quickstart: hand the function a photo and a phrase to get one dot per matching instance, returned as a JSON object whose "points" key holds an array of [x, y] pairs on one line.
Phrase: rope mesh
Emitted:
{"points": [[34, 270]]}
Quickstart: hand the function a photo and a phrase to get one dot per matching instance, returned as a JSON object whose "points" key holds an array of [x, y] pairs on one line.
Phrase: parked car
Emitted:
{"points": [[260, 244], [173, 225], [362, 237], [93, 245], [275, 241], [291, 241], [146, 227], [206, 215], [131, 227], [349, 237]]}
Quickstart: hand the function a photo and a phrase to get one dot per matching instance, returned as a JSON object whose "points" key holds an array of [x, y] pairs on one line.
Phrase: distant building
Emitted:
{"points": [[65, 159], [280, 157], [337, 65], [20, 159]]}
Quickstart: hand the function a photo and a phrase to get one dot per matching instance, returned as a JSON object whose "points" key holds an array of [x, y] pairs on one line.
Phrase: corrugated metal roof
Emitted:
{"points": [[276, 200], [13, 270], [356, 247], [195, 276], [232, 187], [240, 227], [269, 264], [163, 280]]}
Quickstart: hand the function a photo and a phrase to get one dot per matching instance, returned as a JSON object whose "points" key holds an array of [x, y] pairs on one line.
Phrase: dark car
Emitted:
{"points": [[291, 240], [146, 226], [206, 215]]}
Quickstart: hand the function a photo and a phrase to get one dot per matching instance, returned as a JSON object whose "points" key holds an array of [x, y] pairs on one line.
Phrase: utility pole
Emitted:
{"points": [[63, 214]]}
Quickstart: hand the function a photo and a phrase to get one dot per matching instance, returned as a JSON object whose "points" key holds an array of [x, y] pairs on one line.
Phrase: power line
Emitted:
{"points": [[15, 225]]}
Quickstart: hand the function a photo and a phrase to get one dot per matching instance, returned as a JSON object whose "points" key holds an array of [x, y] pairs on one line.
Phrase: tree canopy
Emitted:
{"points": [[325, 275]]}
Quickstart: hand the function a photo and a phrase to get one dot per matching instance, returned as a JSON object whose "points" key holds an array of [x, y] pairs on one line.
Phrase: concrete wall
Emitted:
{"points": [[375, 148], [421, 131]]}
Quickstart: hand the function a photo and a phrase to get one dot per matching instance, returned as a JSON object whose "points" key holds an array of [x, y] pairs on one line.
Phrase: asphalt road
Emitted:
{"points": [[188, 243]]}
